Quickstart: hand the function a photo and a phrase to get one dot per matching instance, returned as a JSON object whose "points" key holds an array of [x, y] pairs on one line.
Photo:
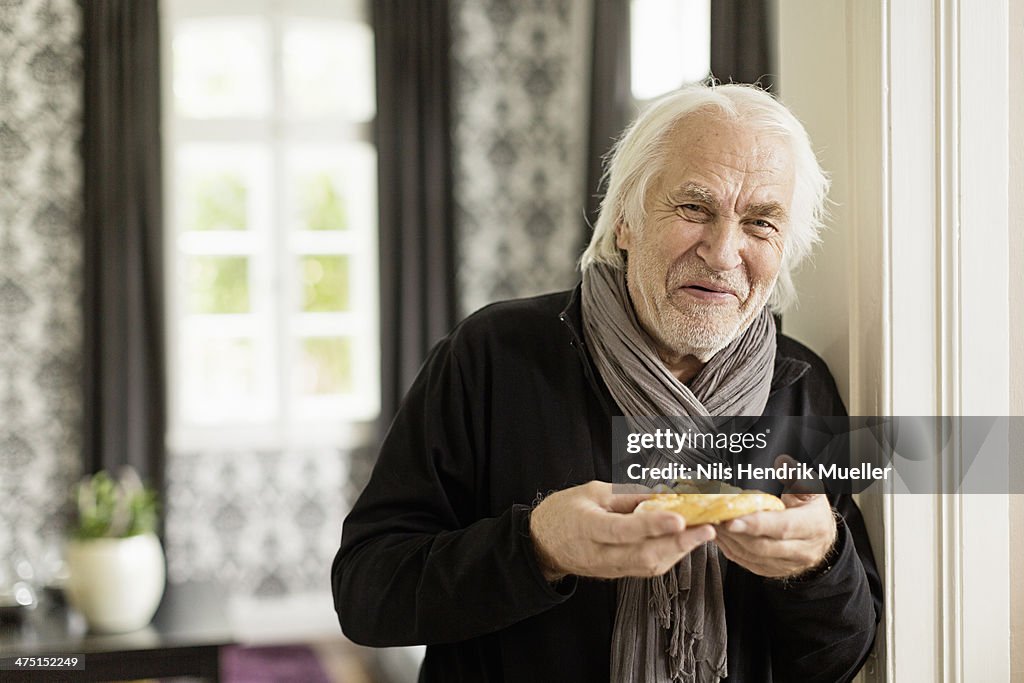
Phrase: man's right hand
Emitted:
{"points": [[587, 530]]}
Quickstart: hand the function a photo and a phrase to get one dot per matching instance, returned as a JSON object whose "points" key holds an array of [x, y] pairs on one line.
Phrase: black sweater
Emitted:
{"points": [[437, 551]]}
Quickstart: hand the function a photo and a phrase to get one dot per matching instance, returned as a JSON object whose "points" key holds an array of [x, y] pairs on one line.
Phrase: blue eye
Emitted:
{"points": [[763, 228]]}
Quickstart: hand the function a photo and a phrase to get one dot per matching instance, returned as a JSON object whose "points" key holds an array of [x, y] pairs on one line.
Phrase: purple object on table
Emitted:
{"points": [[281, 664]]}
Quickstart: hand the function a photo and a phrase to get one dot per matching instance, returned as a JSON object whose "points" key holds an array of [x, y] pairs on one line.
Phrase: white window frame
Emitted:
{"points": [[284, 429]]}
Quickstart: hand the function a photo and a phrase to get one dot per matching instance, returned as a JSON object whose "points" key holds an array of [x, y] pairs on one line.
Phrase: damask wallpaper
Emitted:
{"points": [[40, 269], [521, 74], [260, 523]]}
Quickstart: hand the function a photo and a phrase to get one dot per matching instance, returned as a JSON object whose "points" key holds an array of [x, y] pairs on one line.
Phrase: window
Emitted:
{"points": [[670, 45], [271, 221]]}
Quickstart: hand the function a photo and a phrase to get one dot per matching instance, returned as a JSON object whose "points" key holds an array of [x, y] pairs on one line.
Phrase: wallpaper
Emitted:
{"points": [[40, 270], [520, 70], [260, 523]]}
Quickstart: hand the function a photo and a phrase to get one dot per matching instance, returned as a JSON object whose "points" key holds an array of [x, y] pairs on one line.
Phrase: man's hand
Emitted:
{"points": [[586, 530], [784, 543]]}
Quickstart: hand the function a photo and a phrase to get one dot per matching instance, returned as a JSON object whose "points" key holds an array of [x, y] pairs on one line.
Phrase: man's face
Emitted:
{"points": [[702, 265]]}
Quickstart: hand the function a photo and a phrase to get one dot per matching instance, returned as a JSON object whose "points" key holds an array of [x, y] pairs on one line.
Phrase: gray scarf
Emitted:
{"points": [[671, 628]]}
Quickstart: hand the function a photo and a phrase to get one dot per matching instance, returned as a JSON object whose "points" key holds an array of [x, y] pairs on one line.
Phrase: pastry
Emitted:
{"points": [[711, 508]]}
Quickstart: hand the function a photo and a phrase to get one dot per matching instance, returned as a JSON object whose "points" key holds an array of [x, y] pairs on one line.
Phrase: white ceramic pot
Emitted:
{"points": [[116, 583]]}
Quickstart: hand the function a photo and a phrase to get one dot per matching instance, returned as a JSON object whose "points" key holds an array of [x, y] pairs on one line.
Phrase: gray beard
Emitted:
{"points": [[688, 332]]}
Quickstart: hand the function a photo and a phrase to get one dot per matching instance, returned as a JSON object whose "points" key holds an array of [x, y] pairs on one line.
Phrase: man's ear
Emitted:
{"points": [[623, 236]]}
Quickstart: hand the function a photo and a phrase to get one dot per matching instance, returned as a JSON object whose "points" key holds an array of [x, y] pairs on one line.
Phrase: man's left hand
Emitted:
{"points": [[783, 543]]}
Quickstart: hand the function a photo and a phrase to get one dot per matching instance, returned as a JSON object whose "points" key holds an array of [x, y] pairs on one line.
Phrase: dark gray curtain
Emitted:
{"points": [[416, 239], [122, 230], [610, 96], [742, 43]]}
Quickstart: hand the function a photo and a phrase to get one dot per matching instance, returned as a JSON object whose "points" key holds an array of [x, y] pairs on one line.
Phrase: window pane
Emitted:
{"points": [[218, 284], [328, 69], [221, 380], [221, 67], [219, 201], [332, 188], [221, 187], [670, 45], [325, 281], [271, 216], [326, 366], [321, 205]]}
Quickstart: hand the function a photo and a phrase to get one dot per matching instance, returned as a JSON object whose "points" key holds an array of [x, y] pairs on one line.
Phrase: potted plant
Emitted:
{"points": [[116, 573]]}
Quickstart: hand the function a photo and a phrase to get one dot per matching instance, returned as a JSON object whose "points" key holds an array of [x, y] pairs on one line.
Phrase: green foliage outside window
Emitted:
{"points": [[220, 203], [325, 283], [218, 284], [323, 208]]}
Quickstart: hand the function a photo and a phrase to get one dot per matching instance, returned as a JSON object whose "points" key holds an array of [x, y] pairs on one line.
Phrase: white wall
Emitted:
{"points": [[813, 70], [815, 77]]}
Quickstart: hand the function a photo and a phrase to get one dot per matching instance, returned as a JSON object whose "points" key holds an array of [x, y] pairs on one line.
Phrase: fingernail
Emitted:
{"points": [[738, 526]]}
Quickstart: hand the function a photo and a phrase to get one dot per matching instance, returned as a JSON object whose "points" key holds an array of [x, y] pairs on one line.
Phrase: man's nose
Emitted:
{"points": [[720, 245]]}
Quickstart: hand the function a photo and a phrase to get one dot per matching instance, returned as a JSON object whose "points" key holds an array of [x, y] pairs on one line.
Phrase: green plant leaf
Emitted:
{"points": [[109, 508]]}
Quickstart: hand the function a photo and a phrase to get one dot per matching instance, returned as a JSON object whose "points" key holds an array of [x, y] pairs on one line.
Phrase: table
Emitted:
{"points": [[184, 639]]}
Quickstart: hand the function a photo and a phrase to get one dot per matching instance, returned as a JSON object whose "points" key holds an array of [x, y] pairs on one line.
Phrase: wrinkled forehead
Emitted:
{"points": [[716, 145]]}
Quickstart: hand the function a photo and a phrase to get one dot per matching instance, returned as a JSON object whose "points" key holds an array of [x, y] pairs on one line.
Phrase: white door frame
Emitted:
{"points": [[924, 233]]}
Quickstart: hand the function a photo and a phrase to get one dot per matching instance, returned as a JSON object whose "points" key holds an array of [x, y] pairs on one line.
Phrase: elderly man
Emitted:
{"points": [[714, 196]]}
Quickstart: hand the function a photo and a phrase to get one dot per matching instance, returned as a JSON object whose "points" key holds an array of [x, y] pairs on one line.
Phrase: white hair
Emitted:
{"points": [[639, 155]]}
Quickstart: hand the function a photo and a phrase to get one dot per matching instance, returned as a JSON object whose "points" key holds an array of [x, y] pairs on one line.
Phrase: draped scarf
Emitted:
{"points": [[671, 628]]}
